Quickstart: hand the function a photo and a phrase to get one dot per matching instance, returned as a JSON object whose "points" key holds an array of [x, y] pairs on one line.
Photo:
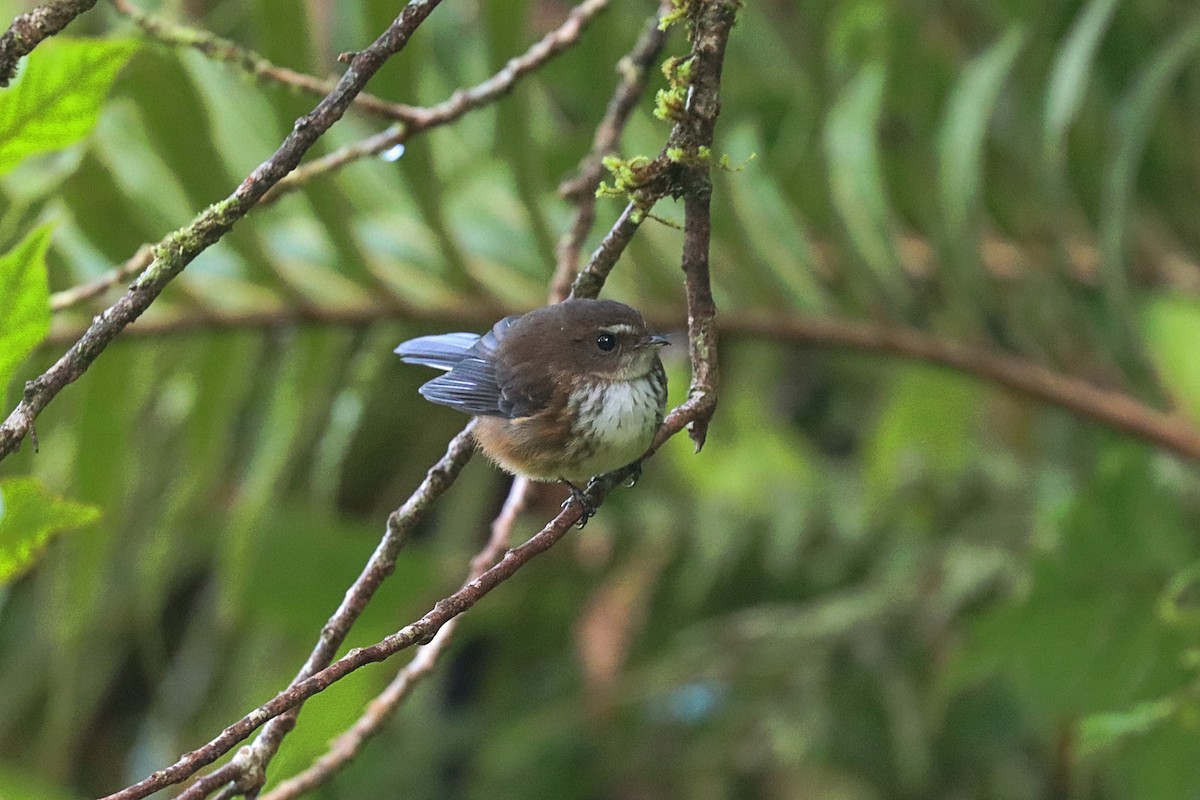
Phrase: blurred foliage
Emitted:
{"points": [[26, 319], [878, 580]]}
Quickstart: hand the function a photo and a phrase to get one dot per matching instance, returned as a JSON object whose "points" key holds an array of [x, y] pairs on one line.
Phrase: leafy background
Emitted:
{"points": [[879, 579]]}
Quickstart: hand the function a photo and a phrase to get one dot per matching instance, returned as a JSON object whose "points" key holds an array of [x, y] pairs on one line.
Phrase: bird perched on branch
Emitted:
{"points": [[565, 392]]}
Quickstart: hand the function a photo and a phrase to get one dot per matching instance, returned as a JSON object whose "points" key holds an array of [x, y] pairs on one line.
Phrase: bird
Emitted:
{"points": [[563, 393]]}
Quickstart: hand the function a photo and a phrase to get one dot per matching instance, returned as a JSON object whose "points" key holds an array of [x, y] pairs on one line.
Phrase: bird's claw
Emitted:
{"points": [[580, 496]]}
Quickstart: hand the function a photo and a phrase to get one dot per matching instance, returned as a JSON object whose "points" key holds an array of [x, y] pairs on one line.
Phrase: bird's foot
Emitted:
{"points": [[579, 496]]}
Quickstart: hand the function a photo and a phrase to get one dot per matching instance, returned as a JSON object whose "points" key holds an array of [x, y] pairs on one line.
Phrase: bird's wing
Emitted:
{"points": [[470, 384]]}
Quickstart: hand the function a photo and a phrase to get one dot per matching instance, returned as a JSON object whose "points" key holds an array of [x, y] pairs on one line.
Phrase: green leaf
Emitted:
{"points": [[856, 174], [1099, 732], [1094, 599], [20, 782], [924, 433], [1136, 115], [57, 99], [961, 149], [25, 313], [29, 515], [1171, 327], [1071, 76]]}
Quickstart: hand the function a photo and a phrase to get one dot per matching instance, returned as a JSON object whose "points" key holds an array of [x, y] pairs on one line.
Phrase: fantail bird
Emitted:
{"points": [[565, 392]]}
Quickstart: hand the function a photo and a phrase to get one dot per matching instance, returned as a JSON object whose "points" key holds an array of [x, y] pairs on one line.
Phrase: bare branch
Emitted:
{"points": [[1079, 395], [400, 523], [692, 138], [176, 251], [420, 632], [1111, 407], [218, 49], [462, 101], [346, 746], [590, 281], [60, 301], [633, 69], [28, 30]]}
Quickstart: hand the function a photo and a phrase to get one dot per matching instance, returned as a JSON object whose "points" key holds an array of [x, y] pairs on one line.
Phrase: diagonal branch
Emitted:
{"points": [[462, 101], [381, 564], [258, 65], [345, 747], [1076, 394], [419, 632], [634, 69], [28, 30], [60, 301], [246, 770], [178, 250]]}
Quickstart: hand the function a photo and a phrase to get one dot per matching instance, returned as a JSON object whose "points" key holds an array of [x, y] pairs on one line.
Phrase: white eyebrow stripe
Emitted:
{"points": [[622, 328]]}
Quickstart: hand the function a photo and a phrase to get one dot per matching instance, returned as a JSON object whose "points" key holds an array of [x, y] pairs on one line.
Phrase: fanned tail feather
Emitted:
{"points": [[443, 351]]}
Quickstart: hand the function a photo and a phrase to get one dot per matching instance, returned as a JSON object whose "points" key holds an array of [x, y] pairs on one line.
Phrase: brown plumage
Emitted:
{"points": [[564, 392]]}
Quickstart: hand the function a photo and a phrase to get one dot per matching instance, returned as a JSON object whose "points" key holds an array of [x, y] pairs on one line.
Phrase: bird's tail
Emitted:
{"points": [[443, 351]]}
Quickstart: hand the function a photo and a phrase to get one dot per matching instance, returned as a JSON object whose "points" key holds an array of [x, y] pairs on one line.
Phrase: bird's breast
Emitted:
{"points": [[616, 421]]}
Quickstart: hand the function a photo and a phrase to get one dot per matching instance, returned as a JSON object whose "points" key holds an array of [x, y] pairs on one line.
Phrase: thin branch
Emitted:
{"points": [[690, 144], [178, 249], [60, 301], [345, 747], [1082, 397], [218, 49], [581, 189], [205, 785], [420, 632], [28, 30], [1110, 407], [420, 120], [251, 766], [590, 280], [458, 104]]}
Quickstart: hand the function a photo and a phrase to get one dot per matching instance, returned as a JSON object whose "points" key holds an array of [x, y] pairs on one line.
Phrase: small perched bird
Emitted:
{"points": [[565, 392]]}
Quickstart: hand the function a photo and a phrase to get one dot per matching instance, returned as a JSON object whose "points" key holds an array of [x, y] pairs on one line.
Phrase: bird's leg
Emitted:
{"points": [[579, 496]]}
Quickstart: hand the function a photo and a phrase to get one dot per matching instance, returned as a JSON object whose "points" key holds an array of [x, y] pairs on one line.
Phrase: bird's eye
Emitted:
{"points": [[606, 342]]}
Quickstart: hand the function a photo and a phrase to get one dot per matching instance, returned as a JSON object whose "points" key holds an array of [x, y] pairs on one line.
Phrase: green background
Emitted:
{"points": [[879, 579]]}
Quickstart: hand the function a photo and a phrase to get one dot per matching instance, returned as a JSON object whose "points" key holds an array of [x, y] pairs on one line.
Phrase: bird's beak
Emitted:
{"points": [[657, 340]]}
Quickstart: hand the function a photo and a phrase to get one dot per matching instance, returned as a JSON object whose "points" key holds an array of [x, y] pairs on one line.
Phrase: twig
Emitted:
{"points": [[28, 30], [218, 49], [346, 746], [690, 147], [250, 771], [178, 250], [207, 784], [1110, 407], [1078, 395], [581, 189], [459, 103], [590, 280], [420, 632], [60, 301]]}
